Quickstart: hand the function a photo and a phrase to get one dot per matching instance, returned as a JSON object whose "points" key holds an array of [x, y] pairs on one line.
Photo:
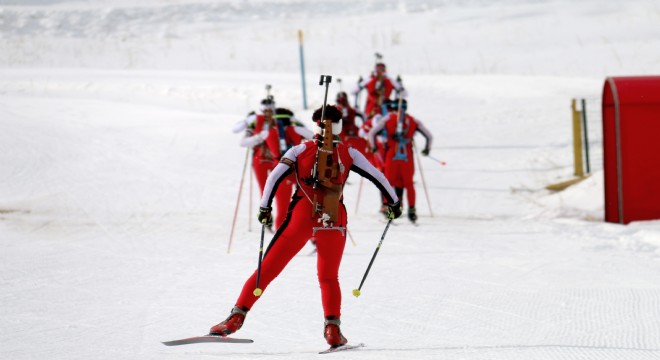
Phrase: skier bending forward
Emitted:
{"points": [[303, 222]]}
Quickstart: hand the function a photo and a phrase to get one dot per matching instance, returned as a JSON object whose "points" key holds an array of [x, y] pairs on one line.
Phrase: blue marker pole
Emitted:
{"points": [[302, 69]]}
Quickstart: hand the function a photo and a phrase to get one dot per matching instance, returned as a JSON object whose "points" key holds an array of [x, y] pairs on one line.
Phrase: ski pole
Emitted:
{"points": [[351, 237], [356, 292], [257, 290], [357, 201], [443, 163], [250, 200], [421, 173], [238, 201]]}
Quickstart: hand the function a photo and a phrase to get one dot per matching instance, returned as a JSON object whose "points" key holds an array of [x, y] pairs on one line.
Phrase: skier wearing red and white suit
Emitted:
{"points": [[350, 133], [399, 157], [379, 87], [270, 134], [304, 221]]}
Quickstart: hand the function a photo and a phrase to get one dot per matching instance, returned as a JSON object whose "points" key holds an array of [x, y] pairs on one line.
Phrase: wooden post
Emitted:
{"points": [[577, 140]]}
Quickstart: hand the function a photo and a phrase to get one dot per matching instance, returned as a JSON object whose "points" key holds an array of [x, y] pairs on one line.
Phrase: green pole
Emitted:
{"points": [[586, 137]]}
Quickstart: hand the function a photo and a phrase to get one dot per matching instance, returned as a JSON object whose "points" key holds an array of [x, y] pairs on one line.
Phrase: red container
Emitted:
{"points": [[631, 148]]}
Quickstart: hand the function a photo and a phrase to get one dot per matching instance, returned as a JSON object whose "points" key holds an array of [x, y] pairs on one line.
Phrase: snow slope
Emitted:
{"points": [[119, 177]]}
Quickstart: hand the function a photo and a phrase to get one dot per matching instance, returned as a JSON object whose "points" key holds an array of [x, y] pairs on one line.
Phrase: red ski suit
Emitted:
{"points": [[379, 87], [301, 220], [350, 130], [266, 154], [399, 156]]}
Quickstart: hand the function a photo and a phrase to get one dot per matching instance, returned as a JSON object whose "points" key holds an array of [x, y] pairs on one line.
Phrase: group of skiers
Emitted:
{"points": [[287, 155], [383, 133]]}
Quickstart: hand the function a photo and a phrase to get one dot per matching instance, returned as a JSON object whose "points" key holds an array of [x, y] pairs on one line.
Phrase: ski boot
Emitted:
{"points": [[231, 323], [412, 214], [332, 333]]}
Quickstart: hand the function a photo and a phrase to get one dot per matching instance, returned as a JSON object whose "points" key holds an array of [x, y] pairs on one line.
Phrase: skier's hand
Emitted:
{"points": [[394, 210], [265, 216], [426, 151]]}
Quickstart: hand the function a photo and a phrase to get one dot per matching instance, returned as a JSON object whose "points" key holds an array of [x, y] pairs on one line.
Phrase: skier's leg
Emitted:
{"points": [[330, 246], [287, 242]]}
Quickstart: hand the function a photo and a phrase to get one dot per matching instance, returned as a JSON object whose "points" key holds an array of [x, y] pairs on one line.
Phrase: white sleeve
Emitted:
{"points": [[363, 167], [378, 125], [427, 134], [253, 140], [397, 85], [304, 132], [278, 174], [239, 126], [243, 124]]}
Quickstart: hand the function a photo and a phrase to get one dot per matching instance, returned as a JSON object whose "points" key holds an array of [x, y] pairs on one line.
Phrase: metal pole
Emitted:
{"points": [[356, 292], [250, 199], [257, 290], [302, 69]]}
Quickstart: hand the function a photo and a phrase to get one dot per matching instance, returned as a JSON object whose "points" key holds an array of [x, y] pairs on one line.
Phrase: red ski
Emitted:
{"points": [[207, 339]]}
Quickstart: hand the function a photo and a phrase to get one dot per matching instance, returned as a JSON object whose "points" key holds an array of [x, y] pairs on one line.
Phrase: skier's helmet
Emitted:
{"points": [[331, 112], [394, 104], [268, 104]]}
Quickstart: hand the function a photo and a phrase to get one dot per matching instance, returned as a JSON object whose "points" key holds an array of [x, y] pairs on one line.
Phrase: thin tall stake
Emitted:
{"points": [[238, 201], [302, 68]]}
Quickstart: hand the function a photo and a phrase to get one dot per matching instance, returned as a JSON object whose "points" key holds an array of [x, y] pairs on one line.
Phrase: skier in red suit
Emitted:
{"points": [[350, 133], [379, 87], [270, 134], [304, 221], [399, 157]]}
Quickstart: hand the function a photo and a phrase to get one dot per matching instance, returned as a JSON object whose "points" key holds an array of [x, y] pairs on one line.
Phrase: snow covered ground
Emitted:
{"points": [[119, 177]]}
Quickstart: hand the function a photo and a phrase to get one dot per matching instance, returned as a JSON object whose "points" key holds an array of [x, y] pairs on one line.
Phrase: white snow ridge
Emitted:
{"points": [[119, 177]]}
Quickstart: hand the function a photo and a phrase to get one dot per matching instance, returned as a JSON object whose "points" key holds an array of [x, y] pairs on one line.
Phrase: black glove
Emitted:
{"points": [[426, 151], [394, 210], [265, 216]]}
